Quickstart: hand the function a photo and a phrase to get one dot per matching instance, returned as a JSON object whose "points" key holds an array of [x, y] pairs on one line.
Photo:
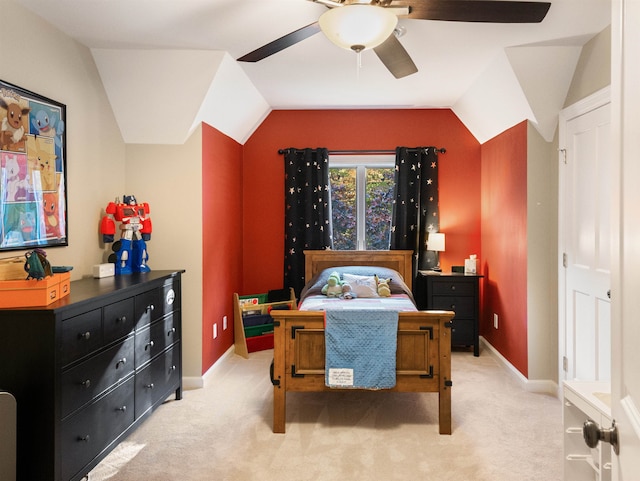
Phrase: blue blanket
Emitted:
{"points": [[360, 347]]}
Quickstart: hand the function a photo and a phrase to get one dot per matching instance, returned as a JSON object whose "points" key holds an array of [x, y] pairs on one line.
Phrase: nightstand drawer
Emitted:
{"points": [[464, 307], [458, 287], [462, 332]]}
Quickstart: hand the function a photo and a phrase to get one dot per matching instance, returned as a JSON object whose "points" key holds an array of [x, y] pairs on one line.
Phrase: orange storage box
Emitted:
{"points": [[34, 293]]}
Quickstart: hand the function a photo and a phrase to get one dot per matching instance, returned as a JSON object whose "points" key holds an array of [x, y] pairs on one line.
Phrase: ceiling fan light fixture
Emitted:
{"points": [[358, 27]]}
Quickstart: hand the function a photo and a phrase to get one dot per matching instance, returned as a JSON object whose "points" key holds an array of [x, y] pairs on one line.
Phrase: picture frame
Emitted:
{"points": [[33, 170]]}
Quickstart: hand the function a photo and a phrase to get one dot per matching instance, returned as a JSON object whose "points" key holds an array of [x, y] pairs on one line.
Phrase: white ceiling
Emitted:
{"points": [[523, 70]]}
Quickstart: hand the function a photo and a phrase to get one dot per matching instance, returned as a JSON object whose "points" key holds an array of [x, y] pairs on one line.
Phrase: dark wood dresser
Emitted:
{"points": [[453, 292], [86, 370]]}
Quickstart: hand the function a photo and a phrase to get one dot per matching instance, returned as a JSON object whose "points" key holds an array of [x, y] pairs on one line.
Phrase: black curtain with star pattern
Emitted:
{"points": [[307, 210], [415, 206]]}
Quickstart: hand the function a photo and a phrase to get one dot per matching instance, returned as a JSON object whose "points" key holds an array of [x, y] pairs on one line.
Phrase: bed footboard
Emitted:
{"points": [[423, 358]]}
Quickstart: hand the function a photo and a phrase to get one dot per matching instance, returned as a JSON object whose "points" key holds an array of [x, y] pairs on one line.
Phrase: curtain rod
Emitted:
{"points": [[369, 152]]}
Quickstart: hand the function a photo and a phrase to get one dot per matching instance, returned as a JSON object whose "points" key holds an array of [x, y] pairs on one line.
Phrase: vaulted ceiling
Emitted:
{"points": [[169, 64]]}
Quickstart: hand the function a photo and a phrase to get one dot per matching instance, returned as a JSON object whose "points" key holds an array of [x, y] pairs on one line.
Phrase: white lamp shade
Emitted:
{"points": [[435, 241], [358, 27]]}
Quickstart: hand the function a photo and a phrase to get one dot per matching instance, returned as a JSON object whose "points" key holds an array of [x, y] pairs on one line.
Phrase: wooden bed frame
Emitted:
{"points": [[423, 357]]}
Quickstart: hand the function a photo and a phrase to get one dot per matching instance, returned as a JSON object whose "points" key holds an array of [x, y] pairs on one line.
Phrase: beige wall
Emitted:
{"points": [[542, 257], [100, 167], [41, 59], [593, 71], [169, 178]]}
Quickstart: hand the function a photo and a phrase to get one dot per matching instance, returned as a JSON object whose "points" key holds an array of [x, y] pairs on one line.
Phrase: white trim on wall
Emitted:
{"points": [[542, 386]]}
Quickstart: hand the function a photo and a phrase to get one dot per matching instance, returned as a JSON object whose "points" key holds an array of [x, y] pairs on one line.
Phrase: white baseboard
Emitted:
{"points": [[545, 386], [198, 382]]}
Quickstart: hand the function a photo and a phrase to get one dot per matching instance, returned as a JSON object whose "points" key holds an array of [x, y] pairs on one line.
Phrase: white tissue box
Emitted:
{"points": [[471, 266]]}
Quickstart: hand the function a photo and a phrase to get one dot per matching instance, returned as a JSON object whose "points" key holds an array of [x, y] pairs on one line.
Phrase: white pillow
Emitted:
{"points": [[362, 286]]}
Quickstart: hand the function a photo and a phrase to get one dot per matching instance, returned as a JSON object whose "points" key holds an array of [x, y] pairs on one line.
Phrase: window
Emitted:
{"points": [[361, 201]]}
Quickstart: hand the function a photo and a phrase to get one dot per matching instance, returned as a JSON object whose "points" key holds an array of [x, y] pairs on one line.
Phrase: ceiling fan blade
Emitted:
{"points": [[281, 43], [395, 57], [491, 11]]}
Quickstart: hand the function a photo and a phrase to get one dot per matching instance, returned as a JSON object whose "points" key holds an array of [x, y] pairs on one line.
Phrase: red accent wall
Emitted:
{"points": [[263, 179], [482, 202], [221, 238], [504, 244]]}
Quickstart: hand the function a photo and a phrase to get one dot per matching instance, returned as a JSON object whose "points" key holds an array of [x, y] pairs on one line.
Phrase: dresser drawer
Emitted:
{"points": [[464, 307], [118, 320], [81, 335], [83, 382], [147, 307], [91, 430], [156, 380], [152, 305], [448, 287], [154, 339]]}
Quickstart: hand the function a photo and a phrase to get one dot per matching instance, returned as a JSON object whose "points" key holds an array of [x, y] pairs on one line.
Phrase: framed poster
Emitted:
{"points": [[33, 180]]}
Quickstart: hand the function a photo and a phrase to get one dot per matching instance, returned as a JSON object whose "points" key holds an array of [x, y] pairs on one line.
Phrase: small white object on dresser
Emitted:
{"points": [[104, 270]]}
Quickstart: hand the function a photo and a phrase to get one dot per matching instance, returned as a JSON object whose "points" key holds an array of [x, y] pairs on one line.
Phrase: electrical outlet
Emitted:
{"points": [[224, 323], [495, 320], [215, 330]]}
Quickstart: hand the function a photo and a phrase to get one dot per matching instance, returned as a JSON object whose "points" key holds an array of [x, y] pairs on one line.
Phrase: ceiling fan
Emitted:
{"points": [[385, 13]]}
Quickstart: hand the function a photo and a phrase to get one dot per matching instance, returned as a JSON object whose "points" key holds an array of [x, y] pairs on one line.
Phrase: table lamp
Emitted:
{"points": [[435, 242]]}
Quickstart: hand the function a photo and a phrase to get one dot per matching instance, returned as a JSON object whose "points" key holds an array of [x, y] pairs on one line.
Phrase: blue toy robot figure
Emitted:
{"points": [[130, 252]]}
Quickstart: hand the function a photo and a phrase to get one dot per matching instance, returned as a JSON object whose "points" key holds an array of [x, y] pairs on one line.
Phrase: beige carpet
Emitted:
{"points": [[223, 432]]}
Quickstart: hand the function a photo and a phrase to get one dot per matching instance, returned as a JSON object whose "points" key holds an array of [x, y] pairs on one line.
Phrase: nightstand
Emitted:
{"points": [[453, 292]]}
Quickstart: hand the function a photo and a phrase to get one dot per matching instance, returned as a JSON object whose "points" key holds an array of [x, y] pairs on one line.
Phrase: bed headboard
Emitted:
{"points": [[401, 261]]}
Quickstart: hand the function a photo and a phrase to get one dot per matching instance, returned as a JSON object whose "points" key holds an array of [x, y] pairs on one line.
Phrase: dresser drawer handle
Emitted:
{"points": [[453, 307], [172, 368], [171, 331], [148, 345], [86, 384], [122, 319], [84, 335], [150, 307], [122, 409], [84, 438], [121, 362], [453, 288], [149, 386]]}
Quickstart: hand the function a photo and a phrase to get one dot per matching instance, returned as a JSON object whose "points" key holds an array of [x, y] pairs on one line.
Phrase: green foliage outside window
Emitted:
{"points": [[343, 208], [378, 197]]}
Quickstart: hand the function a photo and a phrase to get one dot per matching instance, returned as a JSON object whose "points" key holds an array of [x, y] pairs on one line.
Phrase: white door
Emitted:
{"points": [[625, 366], [585, 233]]}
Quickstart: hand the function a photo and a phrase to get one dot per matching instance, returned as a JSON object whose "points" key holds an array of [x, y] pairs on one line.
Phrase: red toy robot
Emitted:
{"points": [[130, 252]]}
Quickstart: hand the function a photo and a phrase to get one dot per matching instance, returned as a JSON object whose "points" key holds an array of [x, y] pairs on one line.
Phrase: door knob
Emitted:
{"points": [[593, 434]]}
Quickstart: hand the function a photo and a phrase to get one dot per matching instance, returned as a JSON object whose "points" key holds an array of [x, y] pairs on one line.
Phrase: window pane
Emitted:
{"points": [[378, 198], [343, 206]]}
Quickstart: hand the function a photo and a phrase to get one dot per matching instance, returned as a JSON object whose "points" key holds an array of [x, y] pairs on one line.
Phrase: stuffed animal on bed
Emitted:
{"points": [[347, 292], [333, 287], [383, 286]]}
